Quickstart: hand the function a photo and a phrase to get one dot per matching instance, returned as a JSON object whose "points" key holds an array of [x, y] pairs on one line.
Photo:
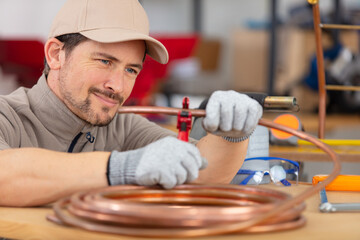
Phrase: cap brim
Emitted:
{"points": [[155, 49]]}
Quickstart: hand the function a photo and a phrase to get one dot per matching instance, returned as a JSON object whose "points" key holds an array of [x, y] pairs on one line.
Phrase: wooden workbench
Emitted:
{"points": [[30, 223]]}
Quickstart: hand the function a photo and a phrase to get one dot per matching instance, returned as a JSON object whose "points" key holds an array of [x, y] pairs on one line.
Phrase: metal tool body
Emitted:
{"points": [[340, 183], [328, 207]]}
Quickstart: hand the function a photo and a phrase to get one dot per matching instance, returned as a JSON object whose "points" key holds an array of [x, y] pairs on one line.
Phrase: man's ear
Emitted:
{"points": [[53, 53]]}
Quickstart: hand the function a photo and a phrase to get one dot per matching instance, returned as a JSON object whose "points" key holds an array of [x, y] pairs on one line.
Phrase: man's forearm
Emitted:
{"points": [[56, 175], [225, 159], [59, 174]]}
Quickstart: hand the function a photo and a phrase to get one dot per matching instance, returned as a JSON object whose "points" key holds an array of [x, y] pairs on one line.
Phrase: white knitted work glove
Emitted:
{"points": [[232, 115], [167, 162]]}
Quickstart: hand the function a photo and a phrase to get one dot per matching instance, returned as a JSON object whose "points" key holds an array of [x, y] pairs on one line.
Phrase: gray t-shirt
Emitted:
{"points": [[37, 118]]}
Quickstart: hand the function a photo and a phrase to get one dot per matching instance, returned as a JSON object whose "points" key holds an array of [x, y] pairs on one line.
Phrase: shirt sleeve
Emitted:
{"points": [[9, 132], [3, 144]]}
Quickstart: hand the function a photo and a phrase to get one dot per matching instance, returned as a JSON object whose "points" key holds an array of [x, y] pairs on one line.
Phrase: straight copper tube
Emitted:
{"points": [[340, 26], [321, 69], [270, 103], [342, 88], [263, 210]]}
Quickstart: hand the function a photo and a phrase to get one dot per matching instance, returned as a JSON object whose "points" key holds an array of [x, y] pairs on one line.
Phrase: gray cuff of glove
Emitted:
{"points": [[236, 140], [122, 167]]}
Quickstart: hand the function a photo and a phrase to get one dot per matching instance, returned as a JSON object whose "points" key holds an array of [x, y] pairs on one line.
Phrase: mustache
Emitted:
{"points": [[109, 94]]}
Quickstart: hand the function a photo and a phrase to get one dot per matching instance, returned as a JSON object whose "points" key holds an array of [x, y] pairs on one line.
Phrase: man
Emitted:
{"points": [[64, 135]]}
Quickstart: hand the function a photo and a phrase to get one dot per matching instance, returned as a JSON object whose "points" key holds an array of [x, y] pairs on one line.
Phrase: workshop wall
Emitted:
{"points": [[222, 21], [32, 18]]}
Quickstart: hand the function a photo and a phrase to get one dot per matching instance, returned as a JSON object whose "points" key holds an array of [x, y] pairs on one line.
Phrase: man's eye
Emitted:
{"points": [[106, 62], [131, 70]]}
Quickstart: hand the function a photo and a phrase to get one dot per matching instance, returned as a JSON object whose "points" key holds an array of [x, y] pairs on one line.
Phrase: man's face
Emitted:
{"points": [[96, 78]]}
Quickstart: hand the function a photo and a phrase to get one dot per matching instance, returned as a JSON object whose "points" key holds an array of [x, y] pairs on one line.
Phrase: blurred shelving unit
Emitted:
{"points": [[348, 150], [323, 87]]}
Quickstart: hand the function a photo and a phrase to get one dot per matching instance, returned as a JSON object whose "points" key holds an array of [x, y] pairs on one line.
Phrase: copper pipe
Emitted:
{"points": [[320, 68], [342, 88], [267, 210], [340, 26], [160, 110], [270, 103]]}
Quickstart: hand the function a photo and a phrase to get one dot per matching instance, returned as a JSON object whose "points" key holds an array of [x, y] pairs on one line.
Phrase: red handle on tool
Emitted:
{"points": [[184, 121]]}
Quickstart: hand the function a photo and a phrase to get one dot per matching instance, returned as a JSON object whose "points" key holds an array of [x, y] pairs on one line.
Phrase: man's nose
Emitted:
{"points": [[116, 81]]}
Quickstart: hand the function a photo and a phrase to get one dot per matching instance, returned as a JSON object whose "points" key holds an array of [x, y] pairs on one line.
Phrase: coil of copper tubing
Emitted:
{"points": [[189, 210], [162, 214]]}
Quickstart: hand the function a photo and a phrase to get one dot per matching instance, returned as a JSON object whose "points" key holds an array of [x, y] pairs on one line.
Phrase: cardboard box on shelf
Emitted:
{"points": [[208, 52], [295, 48], [250, 58]]}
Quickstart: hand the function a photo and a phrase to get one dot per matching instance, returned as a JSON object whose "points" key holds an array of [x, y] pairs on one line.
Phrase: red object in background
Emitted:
{"points": [[179, 47], [24, 58]]}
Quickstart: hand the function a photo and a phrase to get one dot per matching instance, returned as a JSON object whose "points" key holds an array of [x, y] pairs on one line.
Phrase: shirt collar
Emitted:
{"points": [[54, 114]]}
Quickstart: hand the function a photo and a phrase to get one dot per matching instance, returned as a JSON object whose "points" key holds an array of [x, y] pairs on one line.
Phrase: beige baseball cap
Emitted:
{"points": [[108, 21]]}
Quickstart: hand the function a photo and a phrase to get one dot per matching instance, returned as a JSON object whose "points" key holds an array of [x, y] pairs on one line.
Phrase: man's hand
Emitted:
{"points": [[167, 162], [231, 115]]}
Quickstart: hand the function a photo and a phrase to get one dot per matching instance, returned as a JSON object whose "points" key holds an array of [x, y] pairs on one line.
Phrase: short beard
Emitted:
{"points": [[88, 115], [84, 107]]}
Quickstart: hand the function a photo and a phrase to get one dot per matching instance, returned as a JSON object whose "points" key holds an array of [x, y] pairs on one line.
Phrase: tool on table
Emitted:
{"points": [[340, 183], [328, 207]]}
